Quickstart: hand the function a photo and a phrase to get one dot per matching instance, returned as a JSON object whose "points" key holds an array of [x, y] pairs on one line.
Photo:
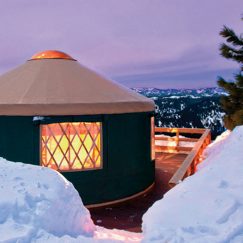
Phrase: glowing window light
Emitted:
{"points": [[71, 146], [152, 139]]}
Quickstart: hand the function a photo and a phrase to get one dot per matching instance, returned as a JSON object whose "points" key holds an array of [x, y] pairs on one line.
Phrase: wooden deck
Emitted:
{"points": [[166, 166], [128, 216], [175, 160]]}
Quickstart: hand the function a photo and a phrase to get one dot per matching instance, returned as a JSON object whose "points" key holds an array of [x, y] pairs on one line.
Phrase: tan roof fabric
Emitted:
{"points": [[64, 87]]}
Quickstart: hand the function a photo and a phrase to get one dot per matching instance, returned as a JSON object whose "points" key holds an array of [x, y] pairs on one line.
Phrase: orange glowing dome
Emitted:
{"points": [[51, 54]]}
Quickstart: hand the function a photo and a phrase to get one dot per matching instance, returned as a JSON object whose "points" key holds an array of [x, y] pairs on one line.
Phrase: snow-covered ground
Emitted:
{"points": [[38, 204], [205, 207]]}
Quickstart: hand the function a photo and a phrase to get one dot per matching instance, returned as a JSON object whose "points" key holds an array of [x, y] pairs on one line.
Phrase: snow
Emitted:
{"points": [[38, 118], [101, 235], [38, 204], [207, 206], [183, 96], [39, 198], [172, 143]]}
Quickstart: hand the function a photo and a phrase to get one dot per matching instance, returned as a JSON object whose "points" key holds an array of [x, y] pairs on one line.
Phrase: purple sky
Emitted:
{"points": [[140, 43]]}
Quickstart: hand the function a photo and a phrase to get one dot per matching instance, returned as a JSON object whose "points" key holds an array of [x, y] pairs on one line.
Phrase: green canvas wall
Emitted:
{"points": [[127, 166]]}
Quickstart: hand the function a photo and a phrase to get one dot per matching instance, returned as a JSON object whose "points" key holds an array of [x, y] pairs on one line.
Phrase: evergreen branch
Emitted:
{"points": [[221, 82], [231, 53], [231, 36], [231, 49], [239, 80], [232, 104]]}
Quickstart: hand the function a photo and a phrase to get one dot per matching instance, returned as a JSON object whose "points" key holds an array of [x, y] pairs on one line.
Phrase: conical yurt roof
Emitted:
{"points": [[53, 83]]}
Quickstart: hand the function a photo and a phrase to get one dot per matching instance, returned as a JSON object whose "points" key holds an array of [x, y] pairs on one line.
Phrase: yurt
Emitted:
{"points": [[54, 112]]}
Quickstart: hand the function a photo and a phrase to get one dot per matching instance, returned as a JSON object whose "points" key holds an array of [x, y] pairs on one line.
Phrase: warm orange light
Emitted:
{"points": [[71, 145], [152, 139], [51, 54], [117, 235]]}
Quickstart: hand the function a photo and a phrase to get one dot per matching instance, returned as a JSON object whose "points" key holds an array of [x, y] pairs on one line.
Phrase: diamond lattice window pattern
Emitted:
{"points": [[71, 146]]}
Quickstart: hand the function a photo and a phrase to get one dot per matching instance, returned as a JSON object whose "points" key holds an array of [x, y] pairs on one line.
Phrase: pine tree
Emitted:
{"points": [[232, 104]]}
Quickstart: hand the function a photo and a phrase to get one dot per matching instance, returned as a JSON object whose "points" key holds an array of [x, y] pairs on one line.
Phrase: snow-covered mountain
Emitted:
{"points": [[177, 93], [187, 107]]}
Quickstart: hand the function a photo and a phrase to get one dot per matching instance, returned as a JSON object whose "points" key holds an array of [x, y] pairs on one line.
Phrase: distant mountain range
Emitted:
{"points": [[187, 107]]}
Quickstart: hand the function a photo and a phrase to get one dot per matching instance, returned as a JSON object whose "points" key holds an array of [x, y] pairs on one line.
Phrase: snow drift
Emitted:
{"points": [[39, 205], [34, 198], [205, 207]]}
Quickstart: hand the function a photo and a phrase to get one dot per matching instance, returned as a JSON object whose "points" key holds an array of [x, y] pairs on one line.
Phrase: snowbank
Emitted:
{"points": [[208, 206], [34, 198], [39, 205], [101, 235]]}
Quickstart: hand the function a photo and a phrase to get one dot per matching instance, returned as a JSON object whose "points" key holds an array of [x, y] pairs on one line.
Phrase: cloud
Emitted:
{"points": [[196, 67], [199, 78]]}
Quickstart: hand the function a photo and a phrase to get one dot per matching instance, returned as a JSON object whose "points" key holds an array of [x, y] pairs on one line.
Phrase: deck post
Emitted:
{"points": [[177, 140]]}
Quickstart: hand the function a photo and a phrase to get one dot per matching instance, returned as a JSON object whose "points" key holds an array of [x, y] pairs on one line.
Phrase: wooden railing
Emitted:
{"points": [[194, 152]]}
